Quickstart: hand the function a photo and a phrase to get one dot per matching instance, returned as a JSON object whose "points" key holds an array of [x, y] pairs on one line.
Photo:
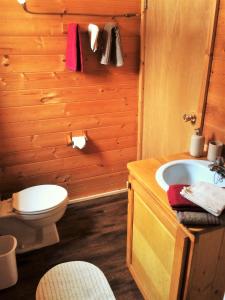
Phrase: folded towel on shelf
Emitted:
{"points": [[189, 208], [206, 195], [199, 218], [178, 202], [112, 52], [93, 31], [74, 59]]}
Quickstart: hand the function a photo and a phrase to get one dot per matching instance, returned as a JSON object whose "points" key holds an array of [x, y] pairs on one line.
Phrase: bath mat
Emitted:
{"points": [[76, 280]]}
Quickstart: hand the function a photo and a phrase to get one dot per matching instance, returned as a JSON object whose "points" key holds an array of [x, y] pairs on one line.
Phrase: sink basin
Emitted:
{"points": [[186, 172]]}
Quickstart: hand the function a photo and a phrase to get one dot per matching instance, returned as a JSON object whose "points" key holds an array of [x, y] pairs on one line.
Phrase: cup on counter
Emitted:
{"points": [[214, 150]]}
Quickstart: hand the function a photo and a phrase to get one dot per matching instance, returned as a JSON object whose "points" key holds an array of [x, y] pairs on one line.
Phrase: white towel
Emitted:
{"points": [[93, 31], [207, 195]]}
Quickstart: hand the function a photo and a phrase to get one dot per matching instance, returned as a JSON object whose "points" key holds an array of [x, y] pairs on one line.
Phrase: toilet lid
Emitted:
{"points": [[38, 198]]}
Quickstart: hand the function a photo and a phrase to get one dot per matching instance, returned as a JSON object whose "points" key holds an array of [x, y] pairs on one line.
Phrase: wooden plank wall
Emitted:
{"points": [[214, 127], [41, 102]]}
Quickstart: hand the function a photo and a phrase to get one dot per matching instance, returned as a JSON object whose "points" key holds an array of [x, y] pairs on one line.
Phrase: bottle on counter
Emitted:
{"points": [[197, 144]]}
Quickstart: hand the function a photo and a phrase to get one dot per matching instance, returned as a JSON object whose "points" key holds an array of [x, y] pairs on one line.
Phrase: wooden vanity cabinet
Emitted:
{"points": [[166, 259]]}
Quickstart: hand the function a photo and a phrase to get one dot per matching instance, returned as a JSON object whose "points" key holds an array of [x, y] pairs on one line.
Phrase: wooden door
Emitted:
{"points": [[156, 248], [178, 43]]}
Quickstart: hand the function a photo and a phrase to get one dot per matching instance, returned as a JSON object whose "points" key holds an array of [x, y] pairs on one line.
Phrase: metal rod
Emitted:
{"points": [[65, 13]]}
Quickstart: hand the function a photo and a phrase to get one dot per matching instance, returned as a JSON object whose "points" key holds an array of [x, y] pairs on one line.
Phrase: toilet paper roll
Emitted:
{"points": [[79, 141]]}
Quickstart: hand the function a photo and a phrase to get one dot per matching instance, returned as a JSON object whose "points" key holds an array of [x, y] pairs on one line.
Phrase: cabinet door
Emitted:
{"points": [[158, 252]]}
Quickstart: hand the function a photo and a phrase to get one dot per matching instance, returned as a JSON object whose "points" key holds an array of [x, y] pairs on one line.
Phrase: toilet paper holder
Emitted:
{"points": [[77, 139]]}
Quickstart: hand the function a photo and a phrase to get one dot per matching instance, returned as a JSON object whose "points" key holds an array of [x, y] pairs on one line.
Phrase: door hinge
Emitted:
{"points": [[145, 4], [128, 185]]}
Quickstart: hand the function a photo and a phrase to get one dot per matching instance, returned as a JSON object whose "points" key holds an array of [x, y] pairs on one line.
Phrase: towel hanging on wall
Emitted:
{"points": [[93, 31], [112, 52], [74, 58], [116, 51]]}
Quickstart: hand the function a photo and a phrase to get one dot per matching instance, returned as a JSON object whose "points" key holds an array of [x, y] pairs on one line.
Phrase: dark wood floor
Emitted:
{"points": [[92, 231]]}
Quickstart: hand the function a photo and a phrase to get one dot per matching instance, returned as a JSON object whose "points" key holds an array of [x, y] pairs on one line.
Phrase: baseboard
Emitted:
{"points": [[102, 195]]}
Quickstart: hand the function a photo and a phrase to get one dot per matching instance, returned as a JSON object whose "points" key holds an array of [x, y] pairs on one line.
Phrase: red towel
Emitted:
{"points": [[178, 202], [74, 59]]}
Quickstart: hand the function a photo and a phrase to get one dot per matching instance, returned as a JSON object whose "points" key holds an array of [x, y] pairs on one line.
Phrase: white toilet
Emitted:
{"points": [[30, 215]]}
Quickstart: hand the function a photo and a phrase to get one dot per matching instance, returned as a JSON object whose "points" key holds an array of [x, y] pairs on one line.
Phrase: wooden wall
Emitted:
{"points": [[214, 127], [41, 102]]}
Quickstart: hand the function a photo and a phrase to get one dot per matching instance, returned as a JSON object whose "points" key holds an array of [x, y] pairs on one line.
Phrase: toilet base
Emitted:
{"points": [[29, 238], [45, 236]]}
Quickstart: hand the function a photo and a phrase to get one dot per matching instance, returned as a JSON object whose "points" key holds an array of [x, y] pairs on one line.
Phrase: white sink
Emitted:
{"points": [[186, 172]]}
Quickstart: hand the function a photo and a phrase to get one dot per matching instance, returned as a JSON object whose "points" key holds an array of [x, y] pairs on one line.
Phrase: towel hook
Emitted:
{"points": [[65, 13]]}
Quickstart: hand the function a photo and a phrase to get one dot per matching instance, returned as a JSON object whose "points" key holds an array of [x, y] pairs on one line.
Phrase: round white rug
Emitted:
{"points": [[76, 280]]}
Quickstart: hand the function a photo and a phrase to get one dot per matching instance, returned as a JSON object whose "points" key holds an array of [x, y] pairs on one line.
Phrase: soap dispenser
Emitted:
{"points": [[197, 144]]}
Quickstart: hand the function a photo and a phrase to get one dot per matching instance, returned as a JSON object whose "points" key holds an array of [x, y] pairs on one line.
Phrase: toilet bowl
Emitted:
{"points": [[30, 215]]}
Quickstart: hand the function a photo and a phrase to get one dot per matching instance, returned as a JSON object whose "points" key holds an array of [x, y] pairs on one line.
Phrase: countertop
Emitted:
{"points": [[144, 172]]}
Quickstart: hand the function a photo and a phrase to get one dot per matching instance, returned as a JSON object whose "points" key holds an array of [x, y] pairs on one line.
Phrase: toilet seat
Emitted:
{"points": [[38, 199]]}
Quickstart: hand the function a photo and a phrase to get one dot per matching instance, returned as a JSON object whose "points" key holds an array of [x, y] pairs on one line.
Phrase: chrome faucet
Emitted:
{"points": [[218, 167]]}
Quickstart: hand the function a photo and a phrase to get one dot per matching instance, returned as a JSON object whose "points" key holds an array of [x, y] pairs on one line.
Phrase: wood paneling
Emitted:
{"points": [[52, 111], [41, 102], [64, 95], [51, 80], [31, 127], [53, 63], [51, 45], [214, 127]]}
